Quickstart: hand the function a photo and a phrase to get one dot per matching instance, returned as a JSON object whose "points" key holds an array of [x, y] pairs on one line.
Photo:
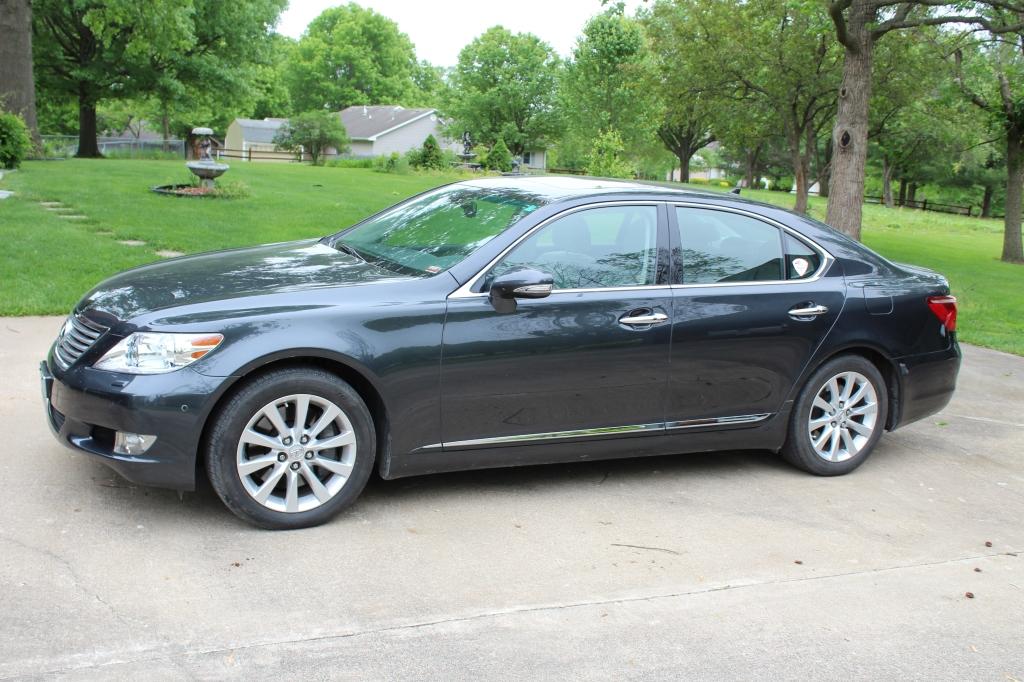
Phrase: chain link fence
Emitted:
{"points": [[66, 146]]}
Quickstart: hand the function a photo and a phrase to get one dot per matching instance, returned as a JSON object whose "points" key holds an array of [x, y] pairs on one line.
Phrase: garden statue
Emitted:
{"points": [[206, 168]]}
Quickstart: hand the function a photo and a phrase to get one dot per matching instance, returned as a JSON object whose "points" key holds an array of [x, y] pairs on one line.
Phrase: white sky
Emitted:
{"points": [[440, 28]]}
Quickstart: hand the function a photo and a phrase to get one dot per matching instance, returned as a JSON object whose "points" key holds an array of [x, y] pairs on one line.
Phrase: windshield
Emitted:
{"points": [[434, 231]]}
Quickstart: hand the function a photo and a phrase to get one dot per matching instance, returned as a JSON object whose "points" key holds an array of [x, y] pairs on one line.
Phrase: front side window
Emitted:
{"points": [[432, 232], [719, 246], [610, 246]]}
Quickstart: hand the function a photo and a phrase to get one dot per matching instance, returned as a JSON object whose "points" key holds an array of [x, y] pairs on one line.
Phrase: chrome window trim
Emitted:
{"points": [[826, 260], [465, 291], [527, 438]]}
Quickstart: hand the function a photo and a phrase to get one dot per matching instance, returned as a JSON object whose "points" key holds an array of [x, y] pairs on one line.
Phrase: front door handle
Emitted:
{"points": [[809, 311], [644, 319]]}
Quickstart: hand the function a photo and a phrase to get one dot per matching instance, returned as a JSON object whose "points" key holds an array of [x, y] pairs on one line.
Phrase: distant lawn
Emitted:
{"points": [[50, 262]]}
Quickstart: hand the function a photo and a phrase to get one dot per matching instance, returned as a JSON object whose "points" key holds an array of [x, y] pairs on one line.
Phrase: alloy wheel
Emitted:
{"points": [[296, 453], [843, 416]]}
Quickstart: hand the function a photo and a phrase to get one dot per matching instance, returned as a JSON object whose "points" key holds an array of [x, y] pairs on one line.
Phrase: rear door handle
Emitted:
{"points": [[639, 320], [809, 311]]}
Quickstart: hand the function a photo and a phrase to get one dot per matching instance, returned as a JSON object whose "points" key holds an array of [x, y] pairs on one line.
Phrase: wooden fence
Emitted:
{"points": [[256, 154]]}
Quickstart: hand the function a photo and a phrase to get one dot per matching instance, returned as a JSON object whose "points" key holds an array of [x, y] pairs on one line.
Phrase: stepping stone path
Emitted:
{"points": [[131, 242], [68, 213], [4, 193], [169, 254]]}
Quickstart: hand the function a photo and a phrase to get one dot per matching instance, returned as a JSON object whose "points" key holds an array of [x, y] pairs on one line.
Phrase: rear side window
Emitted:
{"points": [[719, 246], [801, 260]]}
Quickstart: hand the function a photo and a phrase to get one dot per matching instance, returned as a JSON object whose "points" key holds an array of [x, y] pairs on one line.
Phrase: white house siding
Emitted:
{"points": [[537, 159], [402, 139]]}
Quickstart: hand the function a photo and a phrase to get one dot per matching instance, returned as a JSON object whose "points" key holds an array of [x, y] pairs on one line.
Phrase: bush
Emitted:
{"points": [[15, 141], [430, 154], [499, 158], [360, 162], [393, 163], [605, 158]]}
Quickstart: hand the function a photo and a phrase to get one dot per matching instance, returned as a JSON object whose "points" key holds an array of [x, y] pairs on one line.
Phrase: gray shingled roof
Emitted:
{"points": [[368, 122], [259, 131]]}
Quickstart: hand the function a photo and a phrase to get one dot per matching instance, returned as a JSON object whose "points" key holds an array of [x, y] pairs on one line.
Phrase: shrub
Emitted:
{"points": [[359, 162], [605, 158], [15, 141], [391, 163], [232, 189], [430, 154], [499, 158]]}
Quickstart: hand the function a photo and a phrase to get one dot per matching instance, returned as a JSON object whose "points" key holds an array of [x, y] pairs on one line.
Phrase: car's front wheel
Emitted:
{"points": [[838, 418], [291, 449]]}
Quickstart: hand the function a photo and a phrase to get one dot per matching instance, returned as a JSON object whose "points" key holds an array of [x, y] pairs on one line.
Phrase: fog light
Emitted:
{"points": [[126, 443]]}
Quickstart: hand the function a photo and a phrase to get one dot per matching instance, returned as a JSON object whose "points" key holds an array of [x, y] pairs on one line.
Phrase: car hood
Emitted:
{"points": [[225, 275]]}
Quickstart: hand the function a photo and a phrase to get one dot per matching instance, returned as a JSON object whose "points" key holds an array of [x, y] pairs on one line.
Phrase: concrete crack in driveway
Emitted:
{"points": [[156, 656]]}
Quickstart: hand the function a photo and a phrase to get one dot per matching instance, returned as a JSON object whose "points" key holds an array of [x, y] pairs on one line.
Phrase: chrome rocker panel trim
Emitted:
{"points": [[527, 438]]}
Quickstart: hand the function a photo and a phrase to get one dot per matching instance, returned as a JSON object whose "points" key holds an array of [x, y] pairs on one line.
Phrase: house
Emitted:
{"points": [[253, 140], [383, 129]]}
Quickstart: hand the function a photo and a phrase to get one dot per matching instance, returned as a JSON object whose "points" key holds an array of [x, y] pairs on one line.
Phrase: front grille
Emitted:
{"points": [[77, 336]]}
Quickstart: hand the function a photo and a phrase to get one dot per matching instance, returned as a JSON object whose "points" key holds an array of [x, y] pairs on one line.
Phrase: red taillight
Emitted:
{"points": [[944, 308]]}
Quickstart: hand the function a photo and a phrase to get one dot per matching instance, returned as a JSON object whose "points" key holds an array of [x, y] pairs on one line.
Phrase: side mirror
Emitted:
{"points": [[506, 288]]}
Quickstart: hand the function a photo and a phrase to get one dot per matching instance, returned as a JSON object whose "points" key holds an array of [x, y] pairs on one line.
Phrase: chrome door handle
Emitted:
{"points": [[650, 318], [810, 311]]}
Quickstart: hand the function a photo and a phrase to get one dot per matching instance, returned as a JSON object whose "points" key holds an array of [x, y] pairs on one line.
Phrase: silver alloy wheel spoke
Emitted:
{"points": [[843, 416], [288, 467]]}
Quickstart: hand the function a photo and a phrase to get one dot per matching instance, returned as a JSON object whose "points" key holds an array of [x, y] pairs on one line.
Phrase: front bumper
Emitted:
{"points": [[86, 407], [927, 382]]}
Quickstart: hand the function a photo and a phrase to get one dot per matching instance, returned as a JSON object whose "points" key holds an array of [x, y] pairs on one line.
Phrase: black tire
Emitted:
{"points": [[222, 444], [799, 449]]}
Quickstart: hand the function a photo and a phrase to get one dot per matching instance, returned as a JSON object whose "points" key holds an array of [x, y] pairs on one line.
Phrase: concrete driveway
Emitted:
{"points": [[710, 566]]}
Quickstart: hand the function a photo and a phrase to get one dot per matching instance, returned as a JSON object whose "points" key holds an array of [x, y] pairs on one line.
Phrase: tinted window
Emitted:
{"points": [[718, 246], [612, 246], [801, 260], [436, 230]]}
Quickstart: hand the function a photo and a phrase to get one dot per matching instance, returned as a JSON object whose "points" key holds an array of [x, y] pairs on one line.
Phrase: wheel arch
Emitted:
{"points": [[345, 368], [885, 365]]}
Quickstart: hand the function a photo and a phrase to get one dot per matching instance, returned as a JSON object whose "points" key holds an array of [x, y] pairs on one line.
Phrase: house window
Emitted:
{"points": [[527, 159]]}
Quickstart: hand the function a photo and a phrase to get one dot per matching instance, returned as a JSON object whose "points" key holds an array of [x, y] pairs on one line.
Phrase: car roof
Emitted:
{"points": [[557, 187]]}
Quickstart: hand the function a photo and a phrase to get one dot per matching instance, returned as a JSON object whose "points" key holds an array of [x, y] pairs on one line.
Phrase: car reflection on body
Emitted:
{"points": [[496, 322]]}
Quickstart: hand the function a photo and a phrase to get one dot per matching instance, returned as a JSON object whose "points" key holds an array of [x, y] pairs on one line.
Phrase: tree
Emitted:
{"points": [[499, 158], [313, 133], [505, 87], [17, 85], [859, 25], [351, 55], [601, 89], [90, 50], [181, 55], [774, 53], [994, 82]]}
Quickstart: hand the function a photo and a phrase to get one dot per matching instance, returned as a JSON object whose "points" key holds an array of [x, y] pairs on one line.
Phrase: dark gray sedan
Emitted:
{"points": [[500, 322]]}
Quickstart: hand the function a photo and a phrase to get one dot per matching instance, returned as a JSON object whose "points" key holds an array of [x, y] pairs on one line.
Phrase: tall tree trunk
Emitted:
{"points": [[912, 193], [684, 166], [88, 148], [986, 201], [826, 172], [903, 191], [751, 177], [799, 162], [850, 134], [17, 86], [1013, 252], [165, 122], [887, 182]]}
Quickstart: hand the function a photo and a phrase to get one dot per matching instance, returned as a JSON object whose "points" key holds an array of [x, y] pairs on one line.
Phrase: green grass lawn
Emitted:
{"points": [[50, 262]]}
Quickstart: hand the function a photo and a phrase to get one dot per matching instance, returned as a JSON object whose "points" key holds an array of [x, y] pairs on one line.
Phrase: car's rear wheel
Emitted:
{"points": [[838, 418], [291, 449]]}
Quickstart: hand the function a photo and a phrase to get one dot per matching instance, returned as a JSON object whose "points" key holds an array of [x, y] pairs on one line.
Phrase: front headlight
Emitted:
{"points": [[155, 353]]}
